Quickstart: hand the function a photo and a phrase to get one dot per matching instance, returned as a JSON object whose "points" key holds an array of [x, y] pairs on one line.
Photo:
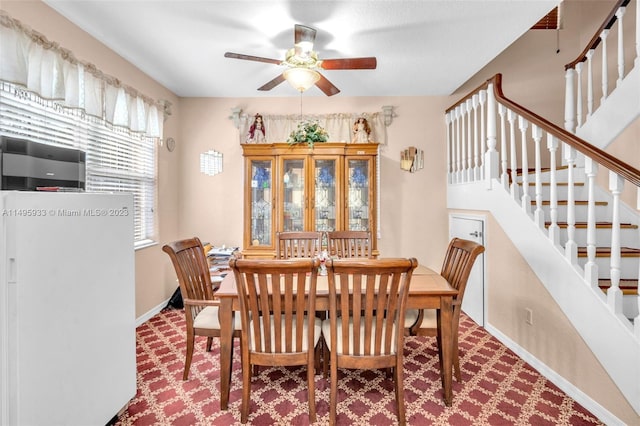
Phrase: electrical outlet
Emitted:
{"points": [[529, 316]]}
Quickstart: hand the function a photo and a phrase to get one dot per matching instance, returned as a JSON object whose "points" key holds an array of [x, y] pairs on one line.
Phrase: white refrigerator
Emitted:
{"points": [[67, 307]]}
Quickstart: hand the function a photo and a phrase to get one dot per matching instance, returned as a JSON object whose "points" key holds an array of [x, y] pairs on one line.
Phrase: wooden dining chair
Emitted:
{"points": [[200, 306], [459, 259], [293, 244], [278, 321], [365, 328], [349, 244]]}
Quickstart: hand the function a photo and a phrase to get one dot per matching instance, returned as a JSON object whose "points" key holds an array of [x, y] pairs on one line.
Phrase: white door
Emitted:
{"points": [[471, 228]]}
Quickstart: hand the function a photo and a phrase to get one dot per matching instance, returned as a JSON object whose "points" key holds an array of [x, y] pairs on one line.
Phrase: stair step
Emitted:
{"points": [[600, 225], [577, 203], [557, 183], [606, 252], [542, 170], [628, 286]]}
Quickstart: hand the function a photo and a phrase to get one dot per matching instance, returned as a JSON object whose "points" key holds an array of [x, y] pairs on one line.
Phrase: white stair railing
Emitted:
{"points": [[596, 50], [531, 129]]}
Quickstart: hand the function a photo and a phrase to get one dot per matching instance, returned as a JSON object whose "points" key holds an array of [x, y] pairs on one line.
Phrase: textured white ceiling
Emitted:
{"points": [[423, 47]]}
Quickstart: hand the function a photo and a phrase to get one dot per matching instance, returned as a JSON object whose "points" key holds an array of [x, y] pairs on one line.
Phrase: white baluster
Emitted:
{"points": [[538, 217], [483, 134], [589, 82], [459, 153], [476, 140], [515, 193], [469, 175], [554, 229], [504, 176], [614, 294], [619, 15], [491, 157], [579, 94], [591, 267], [569, 101], [463, 141], [526, 198], [605, 71], [571, 248], [447, 118]]}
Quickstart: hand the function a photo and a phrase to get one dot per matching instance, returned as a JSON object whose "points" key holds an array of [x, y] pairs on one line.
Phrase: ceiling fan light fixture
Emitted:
{"points": [[301, 78]]}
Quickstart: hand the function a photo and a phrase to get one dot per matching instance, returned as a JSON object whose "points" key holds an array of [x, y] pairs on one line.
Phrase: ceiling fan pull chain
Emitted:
{"points": [[301, 106]]}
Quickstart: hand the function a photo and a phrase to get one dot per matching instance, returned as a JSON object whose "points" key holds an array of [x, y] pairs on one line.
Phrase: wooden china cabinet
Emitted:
{"points": [[330, 186]]}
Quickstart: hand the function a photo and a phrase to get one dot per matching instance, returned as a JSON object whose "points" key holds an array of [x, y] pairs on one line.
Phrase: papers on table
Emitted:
{"points": [[221, 251]]}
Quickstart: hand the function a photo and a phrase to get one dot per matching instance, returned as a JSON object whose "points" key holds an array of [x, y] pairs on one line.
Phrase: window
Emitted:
{"points": [[117, 159]]}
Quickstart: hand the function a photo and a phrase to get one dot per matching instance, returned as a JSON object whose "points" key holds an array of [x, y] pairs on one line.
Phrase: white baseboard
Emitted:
{"points": [[150, 313], [567, 387]]}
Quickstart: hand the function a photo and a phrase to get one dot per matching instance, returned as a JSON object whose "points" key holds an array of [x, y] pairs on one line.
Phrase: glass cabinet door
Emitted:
{"points": [[261, 202], [294, 197], [325, 195], [359, 207]]}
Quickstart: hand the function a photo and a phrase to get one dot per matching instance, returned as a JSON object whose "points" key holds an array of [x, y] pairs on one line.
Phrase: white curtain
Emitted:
{"points": [[28, 59], [339, 126]]}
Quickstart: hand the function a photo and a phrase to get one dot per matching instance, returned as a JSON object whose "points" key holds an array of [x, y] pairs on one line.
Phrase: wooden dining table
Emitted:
{"points": [[428, 289]]}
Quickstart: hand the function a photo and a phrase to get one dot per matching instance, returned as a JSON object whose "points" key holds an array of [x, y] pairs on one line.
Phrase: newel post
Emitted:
{"points": [[491, 156]]}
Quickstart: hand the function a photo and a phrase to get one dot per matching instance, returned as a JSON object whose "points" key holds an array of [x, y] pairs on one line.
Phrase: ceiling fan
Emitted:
{"points": [[303, 64]]}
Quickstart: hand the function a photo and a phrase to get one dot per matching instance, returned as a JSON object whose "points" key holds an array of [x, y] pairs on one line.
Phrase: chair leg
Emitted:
{"points": [[398, 377], [318, 355], [246, 389], [311, 387], [189, 355], [456, 358], [325, 358], [209, 342], [333, 394]]}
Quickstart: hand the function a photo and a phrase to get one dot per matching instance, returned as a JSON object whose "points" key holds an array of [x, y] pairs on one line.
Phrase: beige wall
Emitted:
{"points": [[414, 218]]}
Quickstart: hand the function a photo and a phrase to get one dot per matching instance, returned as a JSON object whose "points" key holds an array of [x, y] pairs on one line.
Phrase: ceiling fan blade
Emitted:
{"points": [[368, 63], [252, 58], [326, 86], [273, 83], [304, 33]]}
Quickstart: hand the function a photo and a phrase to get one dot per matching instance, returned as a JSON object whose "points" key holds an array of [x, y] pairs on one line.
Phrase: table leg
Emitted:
{"points": [[225, 315], [446, 347]]}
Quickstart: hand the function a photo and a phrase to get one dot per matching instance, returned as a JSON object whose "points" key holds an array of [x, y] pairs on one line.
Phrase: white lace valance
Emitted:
{"points": [[29, 60], [339, 126]]}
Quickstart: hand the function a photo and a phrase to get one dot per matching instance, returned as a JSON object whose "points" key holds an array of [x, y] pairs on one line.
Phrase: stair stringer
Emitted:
{"points": [[617, 112], [585, 307]]}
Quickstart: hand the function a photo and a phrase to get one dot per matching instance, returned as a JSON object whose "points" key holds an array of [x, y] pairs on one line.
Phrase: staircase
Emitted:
{"points": [[629, 237], [561, 200]]}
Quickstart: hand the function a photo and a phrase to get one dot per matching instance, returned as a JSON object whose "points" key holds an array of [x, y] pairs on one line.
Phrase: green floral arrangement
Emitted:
{"points": [[308, 132]]}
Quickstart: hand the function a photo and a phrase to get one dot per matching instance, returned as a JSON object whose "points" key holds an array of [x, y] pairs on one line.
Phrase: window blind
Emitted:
{"points": [[117, 160]]}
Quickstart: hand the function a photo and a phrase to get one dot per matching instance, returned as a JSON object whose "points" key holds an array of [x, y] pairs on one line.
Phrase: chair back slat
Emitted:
{"points": [[192, 270], [458, 263], [347, 244], [275, 296], [298, 244], [368, 297], [277, 309]]}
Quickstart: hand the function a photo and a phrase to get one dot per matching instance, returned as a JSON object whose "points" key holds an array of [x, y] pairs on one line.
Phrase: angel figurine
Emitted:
{"points": [[361, 131], [257, 132]]}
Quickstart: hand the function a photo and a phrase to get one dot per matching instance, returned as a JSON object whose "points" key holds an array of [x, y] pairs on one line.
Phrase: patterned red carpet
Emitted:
{"points": [[498, 388]]}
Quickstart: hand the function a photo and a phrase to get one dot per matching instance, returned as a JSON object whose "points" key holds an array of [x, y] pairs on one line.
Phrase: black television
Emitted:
{"points": [[26, 165]]}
